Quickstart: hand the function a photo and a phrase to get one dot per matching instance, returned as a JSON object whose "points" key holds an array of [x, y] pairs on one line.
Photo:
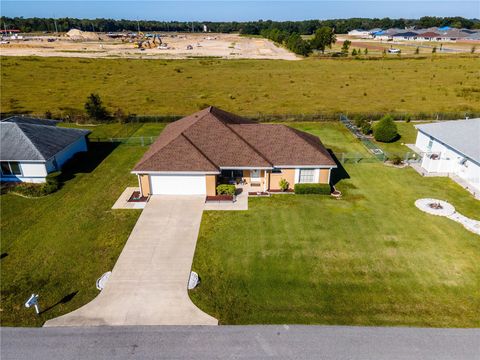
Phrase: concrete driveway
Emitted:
{"points": [[148, 285]]}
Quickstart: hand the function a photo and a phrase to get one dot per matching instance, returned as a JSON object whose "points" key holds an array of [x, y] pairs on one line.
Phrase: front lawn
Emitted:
{"points": [[58, 245], [370, 258]]}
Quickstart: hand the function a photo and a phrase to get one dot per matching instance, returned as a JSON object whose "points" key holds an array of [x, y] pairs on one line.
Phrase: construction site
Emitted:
{"points": [[77, 43]]}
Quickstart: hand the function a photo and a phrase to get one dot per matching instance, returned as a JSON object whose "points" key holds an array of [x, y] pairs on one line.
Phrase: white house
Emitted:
{"points": [[452, 148], [31, 148], [359, 33]]}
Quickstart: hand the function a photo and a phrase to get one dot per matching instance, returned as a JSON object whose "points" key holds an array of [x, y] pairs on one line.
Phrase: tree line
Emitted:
{"points": [[323, 37], [305, 27]]}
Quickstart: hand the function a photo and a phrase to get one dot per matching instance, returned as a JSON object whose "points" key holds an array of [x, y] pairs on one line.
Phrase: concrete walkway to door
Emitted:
{"points": [[148, 285]]}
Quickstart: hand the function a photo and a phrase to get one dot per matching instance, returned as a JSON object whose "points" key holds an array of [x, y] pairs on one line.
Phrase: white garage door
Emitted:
{"points": [[178, 184]]}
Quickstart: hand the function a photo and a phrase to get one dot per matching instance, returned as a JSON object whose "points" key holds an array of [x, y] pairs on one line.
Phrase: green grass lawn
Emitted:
{"points": [[246, 87], [58, 245], [371, 258]]}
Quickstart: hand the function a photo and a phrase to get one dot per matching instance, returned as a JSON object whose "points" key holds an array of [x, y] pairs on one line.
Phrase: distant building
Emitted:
{"points": [[359, 33]]}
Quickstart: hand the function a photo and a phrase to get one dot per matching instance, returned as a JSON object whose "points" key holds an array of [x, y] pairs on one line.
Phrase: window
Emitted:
{"points": [[276, 171], [307, 175], [6, 169], [15, 167], [430, 144], [10, 168]]}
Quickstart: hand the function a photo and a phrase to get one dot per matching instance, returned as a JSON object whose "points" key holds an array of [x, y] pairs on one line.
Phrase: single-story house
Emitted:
{"points": [[32, 148], [406, 35], [194, 154], [359, 33], [452, 147], [429, 36]]}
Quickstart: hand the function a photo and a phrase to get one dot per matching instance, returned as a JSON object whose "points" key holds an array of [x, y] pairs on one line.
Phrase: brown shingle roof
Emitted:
{"points": [[212, 139]]}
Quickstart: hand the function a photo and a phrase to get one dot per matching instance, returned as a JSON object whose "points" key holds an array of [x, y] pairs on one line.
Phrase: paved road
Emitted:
{"points": [[148, 285], [240, 342]]}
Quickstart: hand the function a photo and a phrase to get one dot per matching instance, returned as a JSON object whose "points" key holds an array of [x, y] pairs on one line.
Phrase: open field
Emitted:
{"points": [[247, 87], [58, 245], [369, 259], [228, 46]]}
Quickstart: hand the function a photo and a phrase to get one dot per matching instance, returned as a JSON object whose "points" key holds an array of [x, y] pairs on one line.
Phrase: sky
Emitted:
{"points": [[236, 10]]}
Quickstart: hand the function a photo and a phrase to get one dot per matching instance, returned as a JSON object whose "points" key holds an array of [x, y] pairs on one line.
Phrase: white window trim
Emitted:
{"points": [[10, 167]]}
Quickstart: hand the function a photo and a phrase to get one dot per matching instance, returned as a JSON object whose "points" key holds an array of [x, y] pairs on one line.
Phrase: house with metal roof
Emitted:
{"points": [[195, 154], [452, 148], [32, 148]]}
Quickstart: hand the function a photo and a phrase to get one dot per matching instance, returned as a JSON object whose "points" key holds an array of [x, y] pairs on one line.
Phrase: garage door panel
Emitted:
{"points": [[178, 184]]}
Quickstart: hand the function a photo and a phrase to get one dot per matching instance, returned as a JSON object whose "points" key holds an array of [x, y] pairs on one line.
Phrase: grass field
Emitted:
{"points": [[58, 245], [371, 258], [248, 87]]}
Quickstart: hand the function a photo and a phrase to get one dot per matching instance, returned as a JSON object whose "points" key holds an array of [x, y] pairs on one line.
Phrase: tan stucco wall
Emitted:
{"points": [[144, 184], [324, 175], [287, 174], [211, 181], [246, 176]]}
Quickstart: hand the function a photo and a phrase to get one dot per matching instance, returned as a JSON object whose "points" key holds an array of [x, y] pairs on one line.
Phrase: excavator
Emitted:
{"points": [[149, 41]]}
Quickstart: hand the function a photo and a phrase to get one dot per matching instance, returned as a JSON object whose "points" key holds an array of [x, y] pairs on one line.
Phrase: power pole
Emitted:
{"points": [[55, 22]]}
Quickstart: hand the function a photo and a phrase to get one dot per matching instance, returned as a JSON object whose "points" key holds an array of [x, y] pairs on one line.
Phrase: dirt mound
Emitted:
{"points": [[76, 34]]}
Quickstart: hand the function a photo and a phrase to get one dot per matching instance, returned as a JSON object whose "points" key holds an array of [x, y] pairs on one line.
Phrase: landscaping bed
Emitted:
{"points": [[258, 193], [219, 198], [137, 197]]}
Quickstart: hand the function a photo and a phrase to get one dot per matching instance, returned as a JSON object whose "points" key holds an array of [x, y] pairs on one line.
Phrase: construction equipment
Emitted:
{"points": [[148, 42]]}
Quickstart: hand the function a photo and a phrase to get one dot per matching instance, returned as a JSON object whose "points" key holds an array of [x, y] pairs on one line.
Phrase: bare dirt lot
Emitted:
{"points": [[178, 46]]}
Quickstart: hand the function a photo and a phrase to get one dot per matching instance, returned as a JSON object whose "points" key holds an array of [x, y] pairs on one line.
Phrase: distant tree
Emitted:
{"points": [[365, 51], [434, 50], [417, 51], [354, 52], [94, 107], [324, 37], [346, 46], [473, 49], [385, 130]]}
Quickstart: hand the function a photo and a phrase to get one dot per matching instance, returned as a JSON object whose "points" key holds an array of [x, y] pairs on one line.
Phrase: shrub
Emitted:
{"points": [[396, 160], [37, 190], [366, 128], [225, 189], [385, 130], [284, 184], [322, 189]]}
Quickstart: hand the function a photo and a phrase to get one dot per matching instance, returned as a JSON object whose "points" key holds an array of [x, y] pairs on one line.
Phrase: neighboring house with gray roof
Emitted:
{"points": [[452, 147], [31, 148]]}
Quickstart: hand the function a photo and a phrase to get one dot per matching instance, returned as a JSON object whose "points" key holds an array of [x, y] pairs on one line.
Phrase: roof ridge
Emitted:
{"points": [[298, 132], [28, 139], [246, 142], [198, 149]]}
